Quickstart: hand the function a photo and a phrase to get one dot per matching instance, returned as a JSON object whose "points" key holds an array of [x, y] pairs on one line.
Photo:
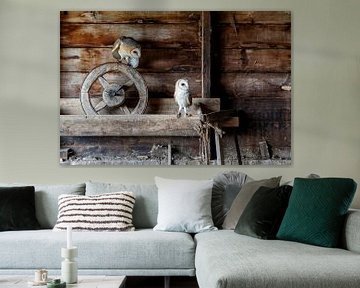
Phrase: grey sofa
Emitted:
{"points": [[218, 259]]}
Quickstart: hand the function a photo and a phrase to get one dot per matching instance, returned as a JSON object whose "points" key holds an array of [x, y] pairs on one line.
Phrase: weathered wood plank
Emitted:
{"points": [[149, 35], [255, 60], [253, 85], [277, 134], [160, 85], [206, 53], [152, 60], [128, 125], [253, 17], [264, 109], [251, 152], [253, 36], [72, 106], [134, 17]]}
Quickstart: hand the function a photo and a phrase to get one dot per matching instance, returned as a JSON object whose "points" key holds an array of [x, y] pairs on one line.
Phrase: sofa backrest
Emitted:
{"points": [[146, 203], [46, 200]]}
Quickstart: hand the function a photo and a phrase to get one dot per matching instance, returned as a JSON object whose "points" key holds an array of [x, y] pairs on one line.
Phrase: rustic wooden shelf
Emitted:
{"points": [[133, 125]]}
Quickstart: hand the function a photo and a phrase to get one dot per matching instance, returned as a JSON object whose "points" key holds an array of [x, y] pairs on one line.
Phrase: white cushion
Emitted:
{"points": [[184, 205]]}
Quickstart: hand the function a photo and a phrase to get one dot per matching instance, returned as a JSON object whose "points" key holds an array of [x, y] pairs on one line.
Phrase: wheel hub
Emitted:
{"points": [[113, 95]]}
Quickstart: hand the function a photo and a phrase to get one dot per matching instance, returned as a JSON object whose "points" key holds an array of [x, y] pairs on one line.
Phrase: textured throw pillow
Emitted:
{"points": [[17, 208], [226, 187], [146, 205], [263, 215], [184, 205], [316, 211], [106, 212], [243, 198]]}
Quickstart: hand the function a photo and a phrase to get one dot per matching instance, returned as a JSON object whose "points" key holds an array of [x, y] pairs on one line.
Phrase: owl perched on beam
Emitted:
{"points": [[127, 50], [182, 96]]}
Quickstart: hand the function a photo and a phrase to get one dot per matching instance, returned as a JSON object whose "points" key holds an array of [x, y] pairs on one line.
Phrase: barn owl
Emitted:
{"points": [[127, 50], [182, 95]]}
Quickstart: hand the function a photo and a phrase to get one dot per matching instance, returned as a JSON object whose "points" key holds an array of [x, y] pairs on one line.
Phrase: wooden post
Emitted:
{"points": [[218, 149], [169, 154], [206, 53]]}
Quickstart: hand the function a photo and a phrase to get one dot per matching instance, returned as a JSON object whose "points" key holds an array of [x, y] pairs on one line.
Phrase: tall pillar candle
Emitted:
{"points": [[69, 237]]}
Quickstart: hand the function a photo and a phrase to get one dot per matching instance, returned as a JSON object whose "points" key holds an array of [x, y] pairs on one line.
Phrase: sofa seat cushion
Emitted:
{"points": [[226, 259], [142, 249]]}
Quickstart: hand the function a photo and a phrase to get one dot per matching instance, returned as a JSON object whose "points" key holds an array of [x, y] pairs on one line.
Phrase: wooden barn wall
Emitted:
{"points": [[171, 49], [250, 63], [170, 42]]}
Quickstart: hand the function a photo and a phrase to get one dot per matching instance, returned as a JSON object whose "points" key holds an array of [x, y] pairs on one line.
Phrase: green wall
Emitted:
{"points": [[326, 90]]}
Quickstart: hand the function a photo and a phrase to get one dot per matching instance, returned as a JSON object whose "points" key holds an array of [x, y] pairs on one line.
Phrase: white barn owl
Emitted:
{"points": [[127, 50], [182, 95]]}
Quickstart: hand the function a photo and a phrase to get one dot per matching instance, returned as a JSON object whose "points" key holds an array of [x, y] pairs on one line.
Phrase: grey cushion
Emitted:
{"points": [[226, 187], [184, 205], [146, 204], [46, 200], [243, 198], [225, 259], [144, 249]]}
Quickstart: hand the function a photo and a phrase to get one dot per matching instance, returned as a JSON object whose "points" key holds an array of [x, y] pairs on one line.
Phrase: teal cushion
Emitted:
{"points": [[316, 211]]}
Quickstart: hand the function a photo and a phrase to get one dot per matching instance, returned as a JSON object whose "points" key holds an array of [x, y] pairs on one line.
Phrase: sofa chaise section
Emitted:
{"points": [[225, 259]]}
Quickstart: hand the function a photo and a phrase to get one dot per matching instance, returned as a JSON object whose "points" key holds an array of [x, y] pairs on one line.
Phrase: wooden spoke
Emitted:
{"points": [[126, 110], [129, 83], [101, 105], [103, 82]]}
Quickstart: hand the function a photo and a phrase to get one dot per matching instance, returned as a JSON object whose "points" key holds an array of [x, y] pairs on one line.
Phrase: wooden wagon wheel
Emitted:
{"points": [[114, 94]]}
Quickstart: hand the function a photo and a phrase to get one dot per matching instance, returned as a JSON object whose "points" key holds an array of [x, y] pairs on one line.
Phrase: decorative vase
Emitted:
{"points": [[69, 271]]}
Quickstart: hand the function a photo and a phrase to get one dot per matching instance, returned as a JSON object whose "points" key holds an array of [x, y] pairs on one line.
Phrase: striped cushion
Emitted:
{"points": [[105, 212]]}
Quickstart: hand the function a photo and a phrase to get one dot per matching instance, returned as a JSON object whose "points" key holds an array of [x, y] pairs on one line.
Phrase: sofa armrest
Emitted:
{"points": [[351, 234]]}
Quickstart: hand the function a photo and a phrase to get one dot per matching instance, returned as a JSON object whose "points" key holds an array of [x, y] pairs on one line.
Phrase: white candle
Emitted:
{"points": [[69, 239]]}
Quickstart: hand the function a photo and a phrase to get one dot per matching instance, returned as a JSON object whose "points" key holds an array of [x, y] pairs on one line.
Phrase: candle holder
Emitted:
{"points": [[69, 271]]}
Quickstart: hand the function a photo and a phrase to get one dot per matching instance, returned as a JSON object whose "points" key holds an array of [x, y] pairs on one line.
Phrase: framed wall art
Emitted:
{"points": [[175, 88]]}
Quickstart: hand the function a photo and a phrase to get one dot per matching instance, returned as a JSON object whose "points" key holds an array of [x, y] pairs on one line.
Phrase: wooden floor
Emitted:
{"points": [[158, 282]]}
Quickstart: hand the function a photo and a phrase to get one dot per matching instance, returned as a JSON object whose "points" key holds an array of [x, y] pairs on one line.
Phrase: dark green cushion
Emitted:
{"points": [[17, 208], [316, 211], [264, 213]]}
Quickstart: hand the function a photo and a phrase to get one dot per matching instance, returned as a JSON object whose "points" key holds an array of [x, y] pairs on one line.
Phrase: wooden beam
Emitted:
{"points": [[128, 125], [178, 36], [130, 17], [206, 53], [72, 106]]}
